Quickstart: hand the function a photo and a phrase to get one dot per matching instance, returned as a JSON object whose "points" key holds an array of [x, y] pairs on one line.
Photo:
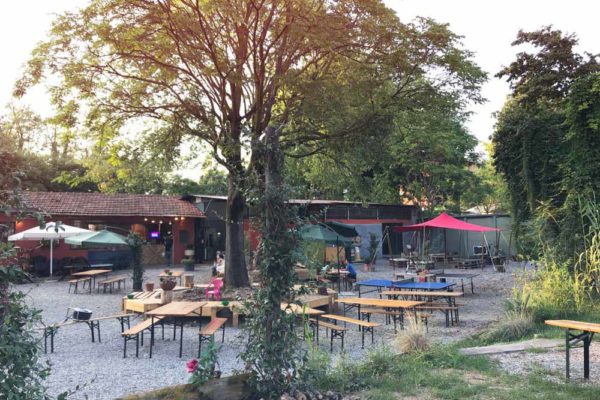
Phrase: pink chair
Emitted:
{"points": [[214, 289]]}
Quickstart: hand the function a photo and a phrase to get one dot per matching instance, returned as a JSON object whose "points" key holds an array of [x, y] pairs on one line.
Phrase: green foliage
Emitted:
{"points": [[545, 141], [516, 324], [135, 244], [413, 338], [22, 373], [373, 246], [204, 368]]}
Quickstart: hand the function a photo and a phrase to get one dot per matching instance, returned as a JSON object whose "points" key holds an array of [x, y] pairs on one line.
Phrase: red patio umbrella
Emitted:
{"points": [[445, 221]]}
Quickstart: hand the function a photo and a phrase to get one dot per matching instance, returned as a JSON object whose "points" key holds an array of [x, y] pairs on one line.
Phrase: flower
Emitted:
{"points": [[192, 365]]}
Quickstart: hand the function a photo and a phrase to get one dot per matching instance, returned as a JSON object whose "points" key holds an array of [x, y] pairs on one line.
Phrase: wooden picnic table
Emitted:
{"points": [[587, 330], [297, 309], [458, 275], [400, 305], [402, 275], [178, 312], [92, 273], [449, 296], [175, 274]]}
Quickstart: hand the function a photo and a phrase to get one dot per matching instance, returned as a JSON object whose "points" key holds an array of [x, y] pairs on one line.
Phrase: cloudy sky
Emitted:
{"points": [[488, 28]]}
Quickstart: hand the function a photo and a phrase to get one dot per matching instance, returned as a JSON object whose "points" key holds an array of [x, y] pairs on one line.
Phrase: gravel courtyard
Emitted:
{"points": [[105, 374]]}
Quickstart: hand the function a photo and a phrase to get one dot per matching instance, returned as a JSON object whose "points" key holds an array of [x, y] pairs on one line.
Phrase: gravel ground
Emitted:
{"points": [[107, 375]]}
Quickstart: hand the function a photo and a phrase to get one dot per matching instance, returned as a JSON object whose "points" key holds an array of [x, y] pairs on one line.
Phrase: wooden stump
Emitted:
{"points": [[188, 280], [166, 296]]}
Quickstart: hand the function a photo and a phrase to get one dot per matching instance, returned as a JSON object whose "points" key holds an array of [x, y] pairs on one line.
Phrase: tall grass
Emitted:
{"points": [[566, 282]]}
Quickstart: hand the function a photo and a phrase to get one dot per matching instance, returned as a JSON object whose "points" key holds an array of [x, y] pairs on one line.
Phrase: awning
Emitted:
{"points": [[323, 233], [98, 238], [445, 221], [345, 230]]}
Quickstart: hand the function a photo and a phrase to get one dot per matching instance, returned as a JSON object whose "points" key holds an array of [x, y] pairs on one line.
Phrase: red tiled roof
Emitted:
{"points": [[103, 204]]}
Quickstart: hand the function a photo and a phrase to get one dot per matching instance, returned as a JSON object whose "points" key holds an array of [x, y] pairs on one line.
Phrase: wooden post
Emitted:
{"points": [[188, 281]]}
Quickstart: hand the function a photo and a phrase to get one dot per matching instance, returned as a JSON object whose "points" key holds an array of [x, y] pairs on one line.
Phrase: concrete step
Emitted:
{"points": [[513, 347]]}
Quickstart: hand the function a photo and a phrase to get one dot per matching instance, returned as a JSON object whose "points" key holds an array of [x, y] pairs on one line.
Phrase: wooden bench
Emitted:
{"points": [[208, 332], [365, 326], [336, 330], [450, 312], [74, 283], [111, 283], [135, 332], [93, 323], [396, 315], [587, 330]]}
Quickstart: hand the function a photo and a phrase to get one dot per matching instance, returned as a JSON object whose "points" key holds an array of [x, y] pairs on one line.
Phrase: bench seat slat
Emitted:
{"points": [[351, 320], [213, 326], [142, 326]]}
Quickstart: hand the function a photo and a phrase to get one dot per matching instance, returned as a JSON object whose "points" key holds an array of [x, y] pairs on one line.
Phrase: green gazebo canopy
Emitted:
{"points": [[98, 238]]}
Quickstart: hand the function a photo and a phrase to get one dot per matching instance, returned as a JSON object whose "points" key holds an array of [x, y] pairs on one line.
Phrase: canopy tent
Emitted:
{"points": [[323, 233], [98, 238], [445, 221], [52, 231], [345, 230]]}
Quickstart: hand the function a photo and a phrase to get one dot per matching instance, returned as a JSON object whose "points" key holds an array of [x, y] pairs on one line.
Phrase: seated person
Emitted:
{"points": [[350, 268], [218, 268], [352, 274]]}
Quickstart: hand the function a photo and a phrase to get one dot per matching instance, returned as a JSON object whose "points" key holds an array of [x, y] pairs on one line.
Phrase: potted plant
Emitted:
{"points": [[321, 288], [188, 264], [189, 250], [167, 284], [373, 246], [167, 271]]}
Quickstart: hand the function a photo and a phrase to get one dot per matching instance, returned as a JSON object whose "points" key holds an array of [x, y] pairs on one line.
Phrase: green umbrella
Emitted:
{"points": [[323, 233], [98, 238], [346, 230]]}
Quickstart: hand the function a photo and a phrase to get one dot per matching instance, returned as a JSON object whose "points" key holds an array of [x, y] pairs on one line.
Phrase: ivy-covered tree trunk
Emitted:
{"points": [[272, 352], [137, 274], [236, 273]]}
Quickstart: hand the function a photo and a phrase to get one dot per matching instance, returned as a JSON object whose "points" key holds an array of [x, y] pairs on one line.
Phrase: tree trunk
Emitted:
{"points": [[236, 273]]}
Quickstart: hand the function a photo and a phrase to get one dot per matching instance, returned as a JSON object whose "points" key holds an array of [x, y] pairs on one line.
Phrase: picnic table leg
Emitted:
{"points": [[586, 358], [151, 334], [362, 331], [568, 349], [137, 345], [91, 325], [181, 339]]}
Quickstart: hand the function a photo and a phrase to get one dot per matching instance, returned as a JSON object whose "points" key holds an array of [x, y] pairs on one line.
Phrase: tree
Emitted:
{"points": [[490, 193], [224, 71], [20, 124], [541, 144]]}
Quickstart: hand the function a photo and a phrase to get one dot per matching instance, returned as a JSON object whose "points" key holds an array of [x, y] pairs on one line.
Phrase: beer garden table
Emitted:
{"points": [[92, 273], [178, 312]]}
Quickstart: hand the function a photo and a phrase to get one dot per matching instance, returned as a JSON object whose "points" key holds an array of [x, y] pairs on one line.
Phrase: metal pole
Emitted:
{"points": [[51, 256]]}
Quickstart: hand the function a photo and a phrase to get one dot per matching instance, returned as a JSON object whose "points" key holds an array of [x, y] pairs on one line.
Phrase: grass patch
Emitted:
{"points": [[440, 373]]}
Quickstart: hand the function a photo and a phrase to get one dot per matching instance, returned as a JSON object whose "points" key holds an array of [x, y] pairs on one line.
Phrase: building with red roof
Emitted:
{"points": [[152, 217]]}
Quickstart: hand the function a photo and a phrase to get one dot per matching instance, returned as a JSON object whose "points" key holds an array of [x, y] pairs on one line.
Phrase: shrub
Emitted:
{"points": [[412, 339], [514, 326]]}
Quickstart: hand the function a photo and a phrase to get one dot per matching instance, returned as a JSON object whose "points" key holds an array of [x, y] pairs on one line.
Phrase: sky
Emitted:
{"points": [[488, 28]]}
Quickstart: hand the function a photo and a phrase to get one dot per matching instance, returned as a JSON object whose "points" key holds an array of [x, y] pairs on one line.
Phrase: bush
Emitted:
{"points": [[343, 375], [514, 326], [412, 339]]}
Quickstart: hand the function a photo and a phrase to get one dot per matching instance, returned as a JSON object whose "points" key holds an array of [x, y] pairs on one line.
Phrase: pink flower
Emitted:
{"points": [[192, 365]]}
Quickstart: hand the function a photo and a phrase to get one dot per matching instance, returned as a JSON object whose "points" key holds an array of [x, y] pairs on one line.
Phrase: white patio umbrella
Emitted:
{"points": [[50, 232]]}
